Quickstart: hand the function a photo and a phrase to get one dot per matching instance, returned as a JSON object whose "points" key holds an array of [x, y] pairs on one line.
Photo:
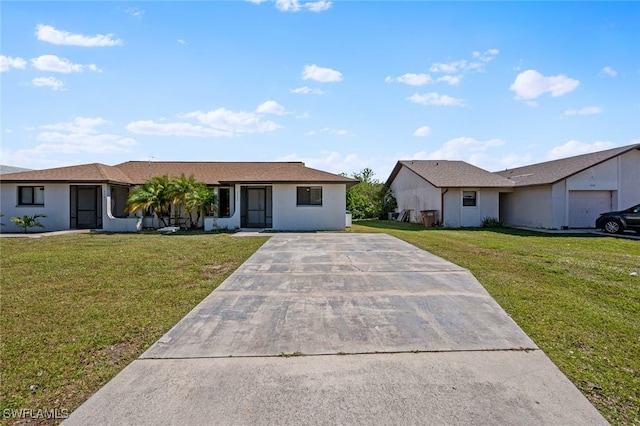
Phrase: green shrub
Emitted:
{"points": [[491, 222]]}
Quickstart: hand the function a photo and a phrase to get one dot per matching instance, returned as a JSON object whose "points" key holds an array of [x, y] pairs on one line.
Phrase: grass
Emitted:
{"points": [[572, 294], [76, 309]]}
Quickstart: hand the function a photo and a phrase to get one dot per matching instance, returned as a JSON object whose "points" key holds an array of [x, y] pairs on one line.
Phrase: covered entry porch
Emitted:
{"points": [[256, 206]]}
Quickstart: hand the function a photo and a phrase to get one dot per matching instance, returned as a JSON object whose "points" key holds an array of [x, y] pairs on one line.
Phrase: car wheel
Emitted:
{"points": [[612, 227]]}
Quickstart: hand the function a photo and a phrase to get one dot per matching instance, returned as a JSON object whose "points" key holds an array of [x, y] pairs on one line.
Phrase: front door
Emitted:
{"points": [[256, 207], [86, 211]]}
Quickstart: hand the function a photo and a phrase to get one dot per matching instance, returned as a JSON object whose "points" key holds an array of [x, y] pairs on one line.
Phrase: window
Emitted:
{"points": [[469, 198], [224, 202], [309, 196], [31, 195]]}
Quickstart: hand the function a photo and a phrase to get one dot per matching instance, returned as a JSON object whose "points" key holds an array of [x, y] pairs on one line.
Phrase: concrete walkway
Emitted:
{"points": [[342, 329]]}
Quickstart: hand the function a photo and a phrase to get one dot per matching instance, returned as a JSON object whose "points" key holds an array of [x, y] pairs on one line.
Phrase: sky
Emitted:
{"points": [[340, 85]]}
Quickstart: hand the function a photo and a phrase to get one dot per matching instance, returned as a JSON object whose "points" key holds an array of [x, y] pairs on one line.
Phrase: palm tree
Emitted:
{"points": [[179, 191], [154, 193], [200, 200]]}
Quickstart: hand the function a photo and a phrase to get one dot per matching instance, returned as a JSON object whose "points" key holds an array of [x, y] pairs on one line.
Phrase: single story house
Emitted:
{"points": [[560, 194], [274, 195], [462, 194], [572, 192]]}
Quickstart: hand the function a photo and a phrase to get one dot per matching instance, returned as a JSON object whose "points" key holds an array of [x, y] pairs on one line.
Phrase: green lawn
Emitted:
{"points": [[572, 294], [76, 309]]}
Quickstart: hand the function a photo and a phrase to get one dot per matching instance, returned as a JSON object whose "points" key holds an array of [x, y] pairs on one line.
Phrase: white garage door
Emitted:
{"points": [[586, 206]]}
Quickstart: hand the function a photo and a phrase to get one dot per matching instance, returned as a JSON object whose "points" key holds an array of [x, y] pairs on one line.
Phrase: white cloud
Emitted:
{"points": [[449, 67], [452, 80], [460, 66], [436, 99], [411, 79], [608, 72], [64, 139], [323, 75], [270, 107], [6, 63], [52, 35], [331, 161], [460, 148], [486, 56], [217, 123], [574, 147], [55, 64], [473, 151], [422, 131], [52, 82], [494, 163], [583, 111], [297, 6], [134, 11], [304, 90], [148, 127], [181, 41], [531, 84], [80, 125], [317, 6]]}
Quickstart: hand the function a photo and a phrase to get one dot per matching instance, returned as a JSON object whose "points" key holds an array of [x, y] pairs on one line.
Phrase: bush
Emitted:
{"points": [[28, 221], [369, 199], [491, 222]]}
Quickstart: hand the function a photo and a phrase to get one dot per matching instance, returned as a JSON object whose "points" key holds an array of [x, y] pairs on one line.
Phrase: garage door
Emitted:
{"points": [[586, 206]]}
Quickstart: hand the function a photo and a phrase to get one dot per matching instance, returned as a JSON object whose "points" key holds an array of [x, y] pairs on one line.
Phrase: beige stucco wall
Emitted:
{"points": [[413, 192], [328, 217], [287, 216], [110, 223], [456, 215], [629, 185], [450, 214], [56, 207], [528, 206], [547, 206]]}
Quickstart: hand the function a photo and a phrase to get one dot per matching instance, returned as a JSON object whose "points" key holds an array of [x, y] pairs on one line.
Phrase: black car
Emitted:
{"points": [[616, 222]]}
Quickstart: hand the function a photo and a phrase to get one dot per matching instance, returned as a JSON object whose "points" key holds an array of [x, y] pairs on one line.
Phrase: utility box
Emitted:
{"points": [[348, 219], [429, 218]]}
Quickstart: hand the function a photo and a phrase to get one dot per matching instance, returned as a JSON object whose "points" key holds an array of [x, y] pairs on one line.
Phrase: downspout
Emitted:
{"points": [[442, 206]]}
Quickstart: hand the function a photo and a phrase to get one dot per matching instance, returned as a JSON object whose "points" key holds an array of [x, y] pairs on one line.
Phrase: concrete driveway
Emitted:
{"points": [[347, 329]]}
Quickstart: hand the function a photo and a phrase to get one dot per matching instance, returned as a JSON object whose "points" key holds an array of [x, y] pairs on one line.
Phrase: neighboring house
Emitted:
{"points": [[276, 195], [572, 192], [462, 194]]}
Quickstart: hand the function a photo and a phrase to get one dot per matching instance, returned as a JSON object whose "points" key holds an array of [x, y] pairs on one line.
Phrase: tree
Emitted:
{"points": [[369, 198], [28, 221], [182, 192], [200, 200], [180, 189], [154, 193]]}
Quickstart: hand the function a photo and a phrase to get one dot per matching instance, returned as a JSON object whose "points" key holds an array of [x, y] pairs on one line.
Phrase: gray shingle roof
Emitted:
{"points": [[212, 173], [452, 174], [553, 171]]}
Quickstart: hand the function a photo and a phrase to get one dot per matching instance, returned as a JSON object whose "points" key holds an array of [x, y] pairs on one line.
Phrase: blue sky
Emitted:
{"points": [[340, 85]]}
